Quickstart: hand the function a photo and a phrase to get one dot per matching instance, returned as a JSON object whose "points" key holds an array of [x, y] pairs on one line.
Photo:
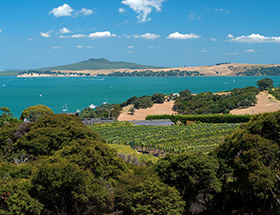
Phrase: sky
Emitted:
{"points": [[169, 33]]}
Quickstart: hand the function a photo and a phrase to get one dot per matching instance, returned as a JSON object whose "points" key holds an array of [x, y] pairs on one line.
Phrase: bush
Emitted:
{"points": [[210, 118]]}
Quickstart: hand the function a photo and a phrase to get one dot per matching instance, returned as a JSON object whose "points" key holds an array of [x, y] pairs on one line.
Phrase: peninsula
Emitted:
{"points": [[104, 67]]}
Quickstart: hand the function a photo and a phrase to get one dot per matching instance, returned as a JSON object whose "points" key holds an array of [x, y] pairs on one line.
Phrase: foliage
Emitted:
{"points": [[95, 156], [15, 199], [35, 112], [209, 118], [6, 117], [143, 102], [250, 167], [88, 113], [265, 83], [261, 71], [142, 193], [131, 156], [132, 111], [158, 98], [209, 103], [48, 134], [275, 92], [102, 111], [194, 175], [64, 188], [152, 73], [52, 73]]}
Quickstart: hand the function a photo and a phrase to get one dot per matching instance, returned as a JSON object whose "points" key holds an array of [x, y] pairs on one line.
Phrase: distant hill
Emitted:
{"points": [[98, 64]]}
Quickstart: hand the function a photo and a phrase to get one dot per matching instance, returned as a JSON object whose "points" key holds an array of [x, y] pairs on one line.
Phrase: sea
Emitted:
{"points": [[77, 93]]}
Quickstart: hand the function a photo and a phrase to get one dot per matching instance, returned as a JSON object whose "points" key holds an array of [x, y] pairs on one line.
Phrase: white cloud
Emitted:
{"points": [[46, 34], [143, 7], [148, 36], [121, 10], [63, 10], [249, 50], [130, 47], [255, 38], [57, 47], [194, 16], [177, 35], [64, 30], [0, 30], [130, 52], [230, 36], [75, 36], [83, 12], [84, 47], [97, 35], [213, 39], [221, 10]]}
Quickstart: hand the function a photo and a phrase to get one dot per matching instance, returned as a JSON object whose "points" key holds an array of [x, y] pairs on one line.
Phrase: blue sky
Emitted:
{"points": [[169, 33]]}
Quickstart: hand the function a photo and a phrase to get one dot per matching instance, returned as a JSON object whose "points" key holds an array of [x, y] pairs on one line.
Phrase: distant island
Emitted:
{"points": [[104, 67]]}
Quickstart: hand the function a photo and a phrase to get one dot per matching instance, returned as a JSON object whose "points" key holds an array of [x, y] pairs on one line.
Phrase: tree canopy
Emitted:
{"points": [[265, 84], [56, 165], [35, 112]]}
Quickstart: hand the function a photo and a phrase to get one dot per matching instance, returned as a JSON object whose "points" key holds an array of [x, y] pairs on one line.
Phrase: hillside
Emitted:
{"points": [[98, 64], [104, 67]]}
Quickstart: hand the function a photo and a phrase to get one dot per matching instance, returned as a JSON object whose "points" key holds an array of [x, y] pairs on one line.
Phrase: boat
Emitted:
{"points": [[65, 108], [92, 106]]}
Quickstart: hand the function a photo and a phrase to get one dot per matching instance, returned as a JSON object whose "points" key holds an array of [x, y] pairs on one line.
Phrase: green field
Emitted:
{"points": [[167, 139]]}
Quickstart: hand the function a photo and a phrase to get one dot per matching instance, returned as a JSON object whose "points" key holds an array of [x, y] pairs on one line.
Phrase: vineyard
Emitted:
{"points": [[160, 140]]}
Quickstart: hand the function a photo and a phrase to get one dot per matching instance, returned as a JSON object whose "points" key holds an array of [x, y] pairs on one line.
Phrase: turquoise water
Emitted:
{"points": [[78, 93]]}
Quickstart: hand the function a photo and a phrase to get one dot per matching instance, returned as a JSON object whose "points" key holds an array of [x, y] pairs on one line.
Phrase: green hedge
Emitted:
{"points": [[209, 118]]}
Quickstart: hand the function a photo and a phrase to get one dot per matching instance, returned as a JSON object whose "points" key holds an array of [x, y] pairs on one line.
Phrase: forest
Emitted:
{"points": [[56, 165], [261, 71], [150, 73], [210, 103]]}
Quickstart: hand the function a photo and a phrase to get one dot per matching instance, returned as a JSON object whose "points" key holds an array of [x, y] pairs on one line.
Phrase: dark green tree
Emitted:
{"points": [[141, 192], [88, 113], [35, 112], [64, 188], [194, 176], [7, 116], [265, 84], [158, 98], [250, 167], [143, 102]]}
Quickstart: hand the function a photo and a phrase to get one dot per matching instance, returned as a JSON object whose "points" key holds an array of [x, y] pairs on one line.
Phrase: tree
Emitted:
{"points": [[143, 102], [64, 188], [265, 83], [250, 166], [141, 192], [35, 112], [158, 98], [194, 176], [6, 117], [131, 111], [88, 113]]}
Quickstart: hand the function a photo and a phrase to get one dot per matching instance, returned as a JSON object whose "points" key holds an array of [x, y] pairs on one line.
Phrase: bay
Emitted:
{"points": [[79, 92]]}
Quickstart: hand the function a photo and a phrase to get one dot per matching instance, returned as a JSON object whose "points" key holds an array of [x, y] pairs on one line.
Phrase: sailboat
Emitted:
{"points": [[65, 108]]}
